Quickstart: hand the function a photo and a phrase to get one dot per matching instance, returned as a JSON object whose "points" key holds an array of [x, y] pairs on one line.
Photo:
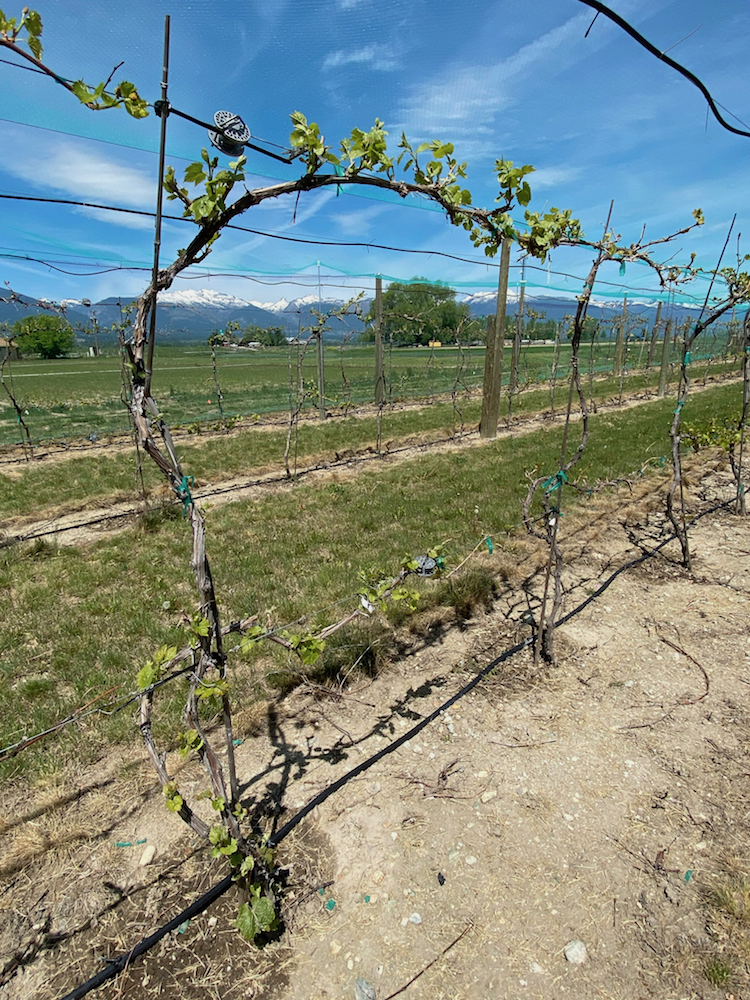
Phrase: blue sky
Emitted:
{"points": [[598, 117]]}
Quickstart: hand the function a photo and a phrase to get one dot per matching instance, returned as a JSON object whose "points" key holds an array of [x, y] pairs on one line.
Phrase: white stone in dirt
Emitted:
{"points": [[415, 918], [575, 952], [148, 855], [488, 795]]}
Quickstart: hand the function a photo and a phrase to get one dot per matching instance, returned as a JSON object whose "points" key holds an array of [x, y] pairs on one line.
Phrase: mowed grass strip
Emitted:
{"points": [[80, 621], [103, 477], [72, 398]]}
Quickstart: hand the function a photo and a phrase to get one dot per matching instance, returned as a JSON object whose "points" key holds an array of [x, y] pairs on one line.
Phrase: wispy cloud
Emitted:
{"points": [[285, 214], [141, 222], [80, 172], [382, 57], [466, 102], [357, 223], [552, 177]]}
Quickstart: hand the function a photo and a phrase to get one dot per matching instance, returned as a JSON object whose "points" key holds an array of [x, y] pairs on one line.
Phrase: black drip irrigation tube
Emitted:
{"points": [[220, 888]]}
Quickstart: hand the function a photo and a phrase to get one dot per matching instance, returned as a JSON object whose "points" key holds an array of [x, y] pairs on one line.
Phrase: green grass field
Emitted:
{"points": [[79, 621], [72, 398], [104, 475]]}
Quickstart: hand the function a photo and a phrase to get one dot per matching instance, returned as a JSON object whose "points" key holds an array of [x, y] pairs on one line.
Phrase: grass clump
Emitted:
{"points": [[727, 906], [718, 971]]}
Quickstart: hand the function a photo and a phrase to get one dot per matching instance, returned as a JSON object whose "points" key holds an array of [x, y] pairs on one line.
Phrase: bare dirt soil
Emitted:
{"points": [[604, 800]]}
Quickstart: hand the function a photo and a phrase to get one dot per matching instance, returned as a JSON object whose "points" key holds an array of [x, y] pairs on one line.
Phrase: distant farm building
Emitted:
{"points": [[8, 350]]}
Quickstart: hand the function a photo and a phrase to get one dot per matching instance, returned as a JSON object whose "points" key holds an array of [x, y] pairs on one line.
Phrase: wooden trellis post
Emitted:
{"points": [[379, 372], [620, 338], [493, 359]]}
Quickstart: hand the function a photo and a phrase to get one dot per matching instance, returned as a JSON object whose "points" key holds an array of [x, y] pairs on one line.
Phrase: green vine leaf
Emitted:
{"points": [[174, 800], [256, 917], [246, 867], [252, 637], [307, 646], [199, 625], [152, 671], [98, 99], [189, 741], [215, 689], [31, 23]]}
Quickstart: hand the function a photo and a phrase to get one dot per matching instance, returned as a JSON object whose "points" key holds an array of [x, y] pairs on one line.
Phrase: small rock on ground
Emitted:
{"points": [[575, 952]]}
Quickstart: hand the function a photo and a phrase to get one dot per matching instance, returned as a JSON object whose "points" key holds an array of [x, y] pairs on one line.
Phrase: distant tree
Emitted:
{"points": [[47, 336], [418, 312], [589, 330], [271, 336], [536, 326]]}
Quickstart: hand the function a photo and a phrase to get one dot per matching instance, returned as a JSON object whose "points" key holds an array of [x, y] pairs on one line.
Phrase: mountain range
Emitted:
{"points": [[193, 314]]}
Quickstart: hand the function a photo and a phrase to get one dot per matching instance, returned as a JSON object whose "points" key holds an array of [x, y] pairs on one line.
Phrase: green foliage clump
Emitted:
{"points": [[417, 312], [715, 432], [207, 207], [97, 98], [48, 336], [174, 800], [718, 971], [125, 95], [152, 671], [271, 336], [257, 916]]}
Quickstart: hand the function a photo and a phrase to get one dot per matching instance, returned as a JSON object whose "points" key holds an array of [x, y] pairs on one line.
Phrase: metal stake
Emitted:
{"points": [[164, 114]]}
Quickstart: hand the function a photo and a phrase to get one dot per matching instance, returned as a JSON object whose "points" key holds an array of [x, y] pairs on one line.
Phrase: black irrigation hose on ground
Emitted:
{"points": [[220, 888], [143, 946], [213, 894]]}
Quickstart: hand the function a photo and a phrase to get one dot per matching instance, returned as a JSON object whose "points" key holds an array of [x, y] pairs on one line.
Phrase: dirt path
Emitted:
{"points": [[606, 800], [89, 522]]}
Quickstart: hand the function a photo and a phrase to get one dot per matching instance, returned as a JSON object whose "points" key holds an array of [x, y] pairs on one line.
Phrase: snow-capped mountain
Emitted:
{"points": [[478, 300], [194, 314], [273, 307], [197, 298], [284, 305]]}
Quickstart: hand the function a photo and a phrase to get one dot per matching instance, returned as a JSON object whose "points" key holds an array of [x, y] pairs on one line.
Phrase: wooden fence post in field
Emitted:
{"points": [[513, 378], [620, 338], [493, 360], [654, 335], [379, 372], [321, 377], [664, 370]]}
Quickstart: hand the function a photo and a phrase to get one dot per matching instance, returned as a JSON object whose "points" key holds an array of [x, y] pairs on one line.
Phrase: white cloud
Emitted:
{"points": [[141, 222], [81, 173], [357, 223], [551, 177], [464, 102], [382, 57]]}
